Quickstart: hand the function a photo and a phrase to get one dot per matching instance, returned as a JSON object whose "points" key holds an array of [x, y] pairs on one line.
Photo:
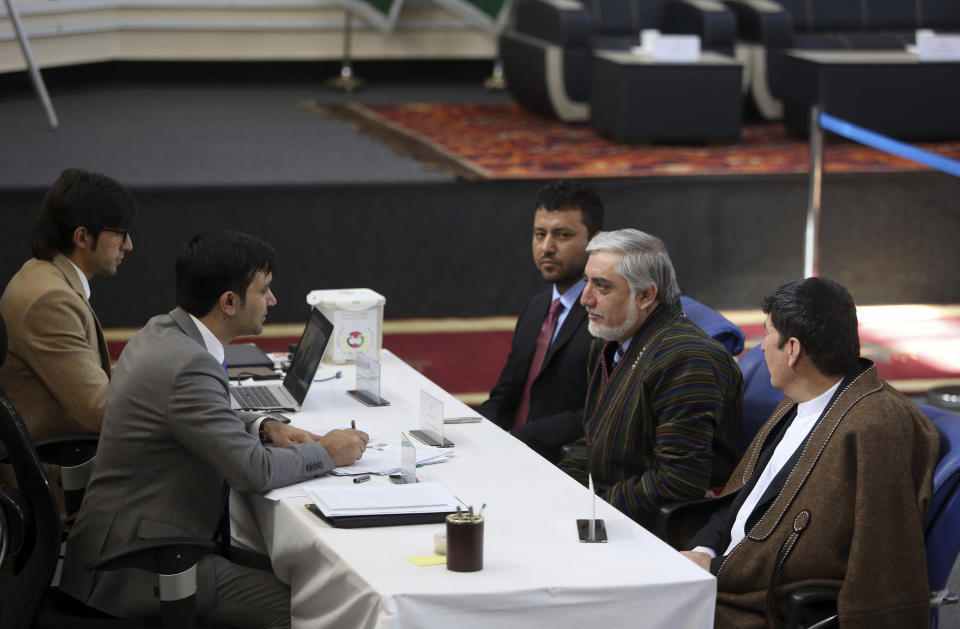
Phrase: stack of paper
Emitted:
{"points": [[383, 457], [382, 500]]}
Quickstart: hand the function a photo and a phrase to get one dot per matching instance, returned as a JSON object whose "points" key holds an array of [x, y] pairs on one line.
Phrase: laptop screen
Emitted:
{"points": [[307, 357]]}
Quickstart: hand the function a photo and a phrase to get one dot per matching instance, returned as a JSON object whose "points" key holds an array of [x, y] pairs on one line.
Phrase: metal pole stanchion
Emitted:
{"points": [[496, 81], [346, 82], [811, 245], [34, 71]]}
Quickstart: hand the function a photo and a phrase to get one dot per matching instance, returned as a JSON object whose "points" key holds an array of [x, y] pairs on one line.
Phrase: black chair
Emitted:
{"points": [[29, 527], [767, 29], [30, 538], [548, 51], [74, 454]]}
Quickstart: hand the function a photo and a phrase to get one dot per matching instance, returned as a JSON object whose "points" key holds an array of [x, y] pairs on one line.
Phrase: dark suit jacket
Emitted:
{"points": [[715, 534], [557, 394]]}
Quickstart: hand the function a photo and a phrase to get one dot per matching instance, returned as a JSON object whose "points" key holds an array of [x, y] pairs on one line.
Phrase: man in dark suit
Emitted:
{"points": [[539, 396], [171, 444]]}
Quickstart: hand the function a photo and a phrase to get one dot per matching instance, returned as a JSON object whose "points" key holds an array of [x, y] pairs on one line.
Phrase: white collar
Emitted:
{"points": [[83, 279], [815, 406], [569, 296], [212, 343]]}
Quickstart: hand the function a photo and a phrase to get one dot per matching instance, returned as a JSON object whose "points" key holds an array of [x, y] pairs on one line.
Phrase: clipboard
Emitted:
{"points": [[389, 519]]}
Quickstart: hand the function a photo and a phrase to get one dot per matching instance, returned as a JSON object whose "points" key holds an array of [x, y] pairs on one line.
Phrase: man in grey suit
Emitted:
{"points": [[170, 441]]}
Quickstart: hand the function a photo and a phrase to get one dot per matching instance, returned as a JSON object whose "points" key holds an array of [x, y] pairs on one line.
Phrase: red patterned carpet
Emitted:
{"points": [[503, 141], [915, 347]]}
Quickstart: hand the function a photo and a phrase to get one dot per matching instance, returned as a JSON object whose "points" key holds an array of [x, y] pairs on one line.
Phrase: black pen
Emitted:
{"points": [[362, 479]]}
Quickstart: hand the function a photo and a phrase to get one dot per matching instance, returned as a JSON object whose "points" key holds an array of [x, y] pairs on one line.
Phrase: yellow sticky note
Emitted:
{"points": [[427, 560]]}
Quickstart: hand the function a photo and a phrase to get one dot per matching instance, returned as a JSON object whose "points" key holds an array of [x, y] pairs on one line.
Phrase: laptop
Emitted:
{"points": [[289, 396]]}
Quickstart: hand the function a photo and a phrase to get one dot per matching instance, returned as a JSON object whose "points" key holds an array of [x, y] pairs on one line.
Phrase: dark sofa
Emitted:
{"points": [[765, 29], [547, 52]]}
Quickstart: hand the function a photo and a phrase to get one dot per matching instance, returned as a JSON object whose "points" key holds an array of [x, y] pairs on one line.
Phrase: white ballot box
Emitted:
{"points": [[357, 316]]}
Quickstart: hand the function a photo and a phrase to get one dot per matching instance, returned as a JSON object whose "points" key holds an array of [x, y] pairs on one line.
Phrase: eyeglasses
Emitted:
{"points": [[123, 233]]}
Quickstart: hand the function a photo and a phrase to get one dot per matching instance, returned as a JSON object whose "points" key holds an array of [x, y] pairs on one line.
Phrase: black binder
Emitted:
{"points": [[384, 519]]}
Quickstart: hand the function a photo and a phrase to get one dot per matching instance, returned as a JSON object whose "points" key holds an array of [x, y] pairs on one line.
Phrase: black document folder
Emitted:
{"points": [[246, 355], [248, 361], [387, 519]]}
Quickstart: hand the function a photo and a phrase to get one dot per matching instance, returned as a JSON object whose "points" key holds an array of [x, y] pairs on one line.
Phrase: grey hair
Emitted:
{"points": [[643, 262]]}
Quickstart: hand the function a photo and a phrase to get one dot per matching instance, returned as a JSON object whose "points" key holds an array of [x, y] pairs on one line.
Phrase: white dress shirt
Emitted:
{"points": [[807, 415], [83, 279], [568, 299], [215, 347]]}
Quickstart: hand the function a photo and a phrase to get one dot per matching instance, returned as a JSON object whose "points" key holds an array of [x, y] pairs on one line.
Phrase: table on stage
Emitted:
{"points": [[535, 573]]}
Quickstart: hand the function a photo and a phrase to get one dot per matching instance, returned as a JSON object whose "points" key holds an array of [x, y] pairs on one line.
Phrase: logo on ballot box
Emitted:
{"points": [[355, 340]]}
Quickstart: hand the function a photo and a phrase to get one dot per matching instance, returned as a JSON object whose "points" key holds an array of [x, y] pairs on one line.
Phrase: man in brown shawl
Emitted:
{"points": [[833, 489]]}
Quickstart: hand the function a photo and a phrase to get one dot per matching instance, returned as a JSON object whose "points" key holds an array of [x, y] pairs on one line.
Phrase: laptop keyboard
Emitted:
{"points": [[256, 397]]}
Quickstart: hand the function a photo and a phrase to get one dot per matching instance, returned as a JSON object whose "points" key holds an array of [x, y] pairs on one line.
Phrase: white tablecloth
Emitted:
{"points": [[536, 572]]}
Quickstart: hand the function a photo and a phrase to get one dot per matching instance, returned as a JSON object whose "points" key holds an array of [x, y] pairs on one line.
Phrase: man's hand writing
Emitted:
{"points": [[283, 435], [344, 446]]}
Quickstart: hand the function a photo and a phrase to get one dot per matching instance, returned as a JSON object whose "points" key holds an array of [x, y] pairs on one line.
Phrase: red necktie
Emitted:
{"points": [[543, 344]]}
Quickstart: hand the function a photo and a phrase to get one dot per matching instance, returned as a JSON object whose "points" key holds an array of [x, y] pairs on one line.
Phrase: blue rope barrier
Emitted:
{"points": [[889, 145]]}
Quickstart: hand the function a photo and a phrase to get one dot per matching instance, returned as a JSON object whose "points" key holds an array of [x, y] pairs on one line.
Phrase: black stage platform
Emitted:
{"points": [[346, 211]]}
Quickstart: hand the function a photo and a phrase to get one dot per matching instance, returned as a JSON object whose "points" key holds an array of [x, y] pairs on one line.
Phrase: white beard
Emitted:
{"points": [[619, 332]]}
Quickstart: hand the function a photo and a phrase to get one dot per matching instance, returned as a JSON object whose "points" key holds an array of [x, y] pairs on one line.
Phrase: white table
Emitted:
{"points": [[536, 572]]}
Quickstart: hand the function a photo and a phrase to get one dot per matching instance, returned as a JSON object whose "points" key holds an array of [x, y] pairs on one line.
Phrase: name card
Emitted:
{"points": [[431, 415], [368, 382], [368, 378], [677, 48], [933, 47]]}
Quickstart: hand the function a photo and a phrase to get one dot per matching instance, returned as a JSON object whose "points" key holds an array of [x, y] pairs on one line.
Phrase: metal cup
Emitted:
{"points": [[464, 542]]}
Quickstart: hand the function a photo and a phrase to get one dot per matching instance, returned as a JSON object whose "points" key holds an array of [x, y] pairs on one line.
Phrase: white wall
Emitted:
{"points": [[65, 32]]}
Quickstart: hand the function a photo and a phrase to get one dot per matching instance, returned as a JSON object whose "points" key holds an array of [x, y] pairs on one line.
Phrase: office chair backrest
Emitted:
{"points": [[714, 324], [3, 340], [942, 529], [29, 526], [759, 396], [625, 16]]}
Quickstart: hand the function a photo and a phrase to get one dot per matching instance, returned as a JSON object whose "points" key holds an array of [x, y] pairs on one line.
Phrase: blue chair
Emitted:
{"points": [[759, 396], [942, 529], [714, 324]]}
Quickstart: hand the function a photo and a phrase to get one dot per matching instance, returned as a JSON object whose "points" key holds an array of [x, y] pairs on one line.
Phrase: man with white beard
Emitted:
{"points": [[662, 414]]}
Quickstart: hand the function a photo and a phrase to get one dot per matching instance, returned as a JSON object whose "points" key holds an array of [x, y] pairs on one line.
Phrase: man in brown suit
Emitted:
{"points": [[57, 370], [834, 488]]}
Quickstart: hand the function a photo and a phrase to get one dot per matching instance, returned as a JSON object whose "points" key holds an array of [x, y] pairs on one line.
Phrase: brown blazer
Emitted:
{"points": [[850, 515], [57, 368]]}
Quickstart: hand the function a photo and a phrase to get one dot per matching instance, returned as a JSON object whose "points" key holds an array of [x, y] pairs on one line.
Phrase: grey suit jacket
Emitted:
{"points": [[168, 442]]}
